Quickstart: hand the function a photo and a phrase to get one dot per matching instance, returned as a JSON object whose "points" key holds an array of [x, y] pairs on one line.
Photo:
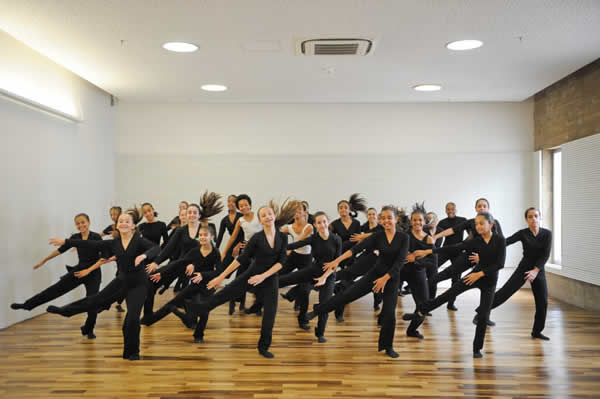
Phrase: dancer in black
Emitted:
{"points": [[153, 229], [111, 229], [537, 244], [488, 249], [310, 217], [461, 262], [177, 222], [130, 250], [346, 226], [202, 264], [431, 269], [392, 247], [414, 271], [75, 276], [268, 249], [228, 224], [325, 247]]}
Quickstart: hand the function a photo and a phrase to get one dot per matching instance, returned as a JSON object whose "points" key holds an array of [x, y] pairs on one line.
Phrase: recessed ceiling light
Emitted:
{"points": [[180, 47], [213, 87], [461, 45], [427, 87]]}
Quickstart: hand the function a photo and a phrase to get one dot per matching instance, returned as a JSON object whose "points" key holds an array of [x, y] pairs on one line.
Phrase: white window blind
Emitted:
{"points": [[581, 209]]}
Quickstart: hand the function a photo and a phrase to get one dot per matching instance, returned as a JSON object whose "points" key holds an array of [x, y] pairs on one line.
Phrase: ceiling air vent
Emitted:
{"points": [[334, 47]]}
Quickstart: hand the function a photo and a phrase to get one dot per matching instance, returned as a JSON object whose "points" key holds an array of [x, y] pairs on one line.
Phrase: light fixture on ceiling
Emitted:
{"points": [[427, 87], [213, 87], [180, 47], [462, 45]]}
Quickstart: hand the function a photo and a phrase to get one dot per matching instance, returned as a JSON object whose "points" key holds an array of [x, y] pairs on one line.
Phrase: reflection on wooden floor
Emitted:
{"points": [[47, 357]]}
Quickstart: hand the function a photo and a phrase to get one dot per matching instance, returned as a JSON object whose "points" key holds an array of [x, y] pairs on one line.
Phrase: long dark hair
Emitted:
{"points": [[210, 205], [283, 213], [356, 204]]}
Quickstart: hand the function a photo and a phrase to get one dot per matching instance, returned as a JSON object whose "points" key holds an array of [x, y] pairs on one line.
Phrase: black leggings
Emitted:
{"points": [[193, 292], [453, 272], [359, 268], [486, 286], [133, 287], [266, 294], [305, 278], [359, 289], [67, 283], [417, 281], [539, 289]]}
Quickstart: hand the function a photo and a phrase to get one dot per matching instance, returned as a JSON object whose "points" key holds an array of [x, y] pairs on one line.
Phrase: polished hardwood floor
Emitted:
{"points": [[47, 357]]}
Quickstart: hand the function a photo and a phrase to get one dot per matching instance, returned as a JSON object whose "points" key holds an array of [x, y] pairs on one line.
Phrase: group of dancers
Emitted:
{"points": [[279, 246]]}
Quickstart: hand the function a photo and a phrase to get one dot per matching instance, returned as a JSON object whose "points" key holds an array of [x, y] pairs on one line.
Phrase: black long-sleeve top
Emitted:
{"points": [[364, 228], [179, 244], [456, 223], [391, 254], [154, 231], [264, 256], [415, 244], [87, 256], [536, 249], [226, 224], [125, 257], [209, 266], [321, 250], [469, 226], [491, 255], [345, 233], [109, 229]]}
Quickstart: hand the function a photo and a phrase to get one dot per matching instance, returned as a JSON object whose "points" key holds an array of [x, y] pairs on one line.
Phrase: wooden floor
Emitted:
{"points": [[47, 357]]}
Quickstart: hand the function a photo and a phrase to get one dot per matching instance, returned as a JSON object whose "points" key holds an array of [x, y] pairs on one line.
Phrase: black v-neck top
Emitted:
{"points": [[415, 244], [391, 254], [179, 244], [321, 250], [87, 256], [491, 255], [125, 257], [226, 224], [155, 231], [338, 228], [536, 249], [264, 256]]}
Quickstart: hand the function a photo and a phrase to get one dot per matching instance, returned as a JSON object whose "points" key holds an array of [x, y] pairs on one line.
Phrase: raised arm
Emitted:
{"points": [[221, 234]]}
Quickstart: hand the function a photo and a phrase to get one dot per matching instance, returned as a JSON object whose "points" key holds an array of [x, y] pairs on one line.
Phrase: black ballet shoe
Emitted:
{"points": [[392, 353], [310, 315], [489, 322], [376, 307], [304, 326], [540, 336], [415, 334], [339, 316], [254, 309], [119, 308], [16, 306], [91, 335], [477, 355], [452, 308], [266, 353], [408, 316], [54, 309], [198, 340], [231, 307], [87, 332], [287, 297], [135, 356], [320, 338]]}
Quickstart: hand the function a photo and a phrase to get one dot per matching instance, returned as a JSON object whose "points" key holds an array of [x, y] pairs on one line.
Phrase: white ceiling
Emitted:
{"points": [[529, 44]]}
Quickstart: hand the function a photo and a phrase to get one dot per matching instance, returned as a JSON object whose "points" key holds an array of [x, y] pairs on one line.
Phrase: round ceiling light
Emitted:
{"points": [[427, 87], [213, 87], [180, 47], [462, 45]]}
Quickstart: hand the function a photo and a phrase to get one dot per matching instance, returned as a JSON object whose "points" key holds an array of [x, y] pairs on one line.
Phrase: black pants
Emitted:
{"points": [[266, 294], [539, 288], [305, 278], [134, 288], [193, 292], [67, 283], [487, 288], [453, 272], [416, 278], [359, 289], [358, 268]]}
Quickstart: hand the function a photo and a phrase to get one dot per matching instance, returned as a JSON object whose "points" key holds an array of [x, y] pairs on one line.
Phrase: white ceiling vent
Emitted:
{"points": [[334, 46]]}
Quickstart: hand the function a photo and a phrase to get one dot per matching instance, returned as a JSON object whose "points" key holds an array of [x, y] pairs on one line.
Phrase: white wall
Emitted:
{"points": [[392, 153], [51, 169]]}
